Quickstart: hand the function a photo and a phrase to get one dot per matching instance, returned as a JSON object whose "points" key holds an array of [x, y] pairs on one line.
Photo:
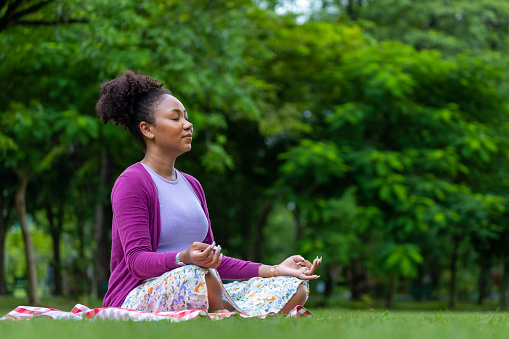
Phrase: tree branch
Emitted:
{"points": [[2, 3], [49, 23], [31, 9], [12, 17], [11, 7], [5, 20]]}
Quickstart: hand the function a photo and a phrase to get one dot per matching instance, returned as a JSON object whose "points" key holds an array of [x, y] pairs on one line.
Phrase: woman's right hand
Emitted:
{"points": [[202, 254]]}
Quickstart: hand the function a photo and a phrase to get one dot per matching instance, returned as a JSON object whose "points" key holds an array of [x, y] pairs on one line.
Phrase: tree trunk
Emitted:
{"points": [[3, 233], [298, 224], [103, 220], [56, 235], [350, 10], [4, 224], [258, 257], [435, 280], [419, 296], [33, 297], [78, 282], [358, 280], [504, 286], [452, 282], [484, 277], [391, 290]]}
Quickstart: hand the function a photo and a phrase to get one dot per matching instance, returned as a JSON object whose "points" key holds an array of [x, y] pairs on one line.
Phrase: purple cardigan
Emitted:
{"points": [[136, 228]]}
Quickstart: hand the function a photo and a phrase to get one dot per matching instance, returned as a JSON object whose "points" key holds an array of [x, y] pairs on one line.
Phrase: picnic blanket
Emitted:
{"points": [[81, 312]]}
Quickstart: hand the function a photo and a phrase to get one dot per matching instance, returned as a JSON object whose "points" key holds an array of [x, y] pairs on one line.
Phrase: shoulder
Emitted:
{"points": [[135, 171], [195, 184], [135, 177]]}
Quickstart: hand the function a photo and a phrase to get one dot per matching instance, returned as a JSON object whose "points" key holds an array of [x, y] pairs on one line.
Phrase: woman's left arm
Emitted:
{"points": [[294, 266]]}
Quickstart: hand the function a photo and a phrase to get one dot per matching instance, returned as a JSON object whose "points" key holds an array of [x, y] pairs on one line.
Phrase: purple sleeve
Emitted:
{"points": [[230, 268], [236, 269], [131, 220]]}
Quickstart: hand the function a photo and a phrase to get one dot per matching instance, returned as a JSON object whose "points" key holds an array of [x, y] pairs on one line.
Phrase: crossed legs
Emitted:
{"points": [[217, 305]]}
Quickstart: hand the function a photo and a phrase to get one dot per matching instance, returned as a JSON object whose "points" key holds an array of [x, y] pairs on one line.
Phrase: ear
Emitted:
{"points": [[146, 130]]}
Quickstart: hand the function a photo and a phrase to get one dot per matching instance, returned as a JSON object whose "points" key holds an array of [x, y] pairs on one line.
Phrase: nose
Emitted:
{"points": [[188, 125]]}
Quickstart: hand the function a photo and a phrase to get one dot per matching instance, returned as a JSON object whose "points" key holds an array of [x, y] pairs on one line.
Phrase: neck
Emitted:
{"points": [[164, 166]]}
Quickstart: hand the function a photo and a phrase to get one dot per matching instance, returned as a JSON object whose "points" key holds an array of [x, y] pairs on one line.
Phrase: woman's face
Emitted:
{"points": [[172, 132]]}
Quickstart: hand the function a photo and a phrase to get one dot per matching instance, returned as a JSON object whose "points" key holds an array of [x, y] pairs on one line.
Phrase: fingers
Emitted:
{"points": [[305, 263], [216, 258], [198, 246], [315, 265], [308, 277], [208, 250], [312, 269], [308, 274], [297, 266], [206, 255]]}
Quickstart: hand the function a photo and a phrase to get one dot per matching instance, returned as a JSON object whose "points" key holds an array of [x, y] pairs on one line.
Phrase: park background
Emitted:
{"points": [[373, 133]]}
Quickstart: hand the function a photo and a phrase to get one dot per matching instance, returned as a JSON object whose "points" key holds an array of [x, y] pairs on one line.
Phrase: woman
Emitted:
{"points": [[163, 255]]}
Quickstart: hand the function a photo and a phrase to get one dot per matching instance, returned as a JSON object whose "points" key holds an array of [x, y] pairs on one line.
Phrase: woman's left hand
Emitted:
{"points": [[297, 266]]}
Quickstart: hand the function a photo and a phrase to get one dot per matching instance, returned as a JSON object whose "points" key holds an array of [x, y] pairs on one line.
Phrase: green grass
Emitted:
{"points": [[329, 323]]}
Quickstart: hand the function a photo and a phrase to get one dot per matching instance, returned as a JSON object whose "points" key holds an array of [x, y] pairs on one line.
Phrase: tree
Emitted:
{"points": [[449, 26], [34, 131], [29, 13], [7, 189], [414, 152]]}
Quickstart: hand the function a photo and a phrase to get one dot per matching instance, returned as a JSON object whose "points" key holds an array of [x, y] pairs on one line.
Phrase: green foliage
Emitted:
{"points": [[454, 27], [401, 258], [313, 161], [415, 134], [216, 159], [450, 26], [15, 254], [333, 229], [42, 134]]}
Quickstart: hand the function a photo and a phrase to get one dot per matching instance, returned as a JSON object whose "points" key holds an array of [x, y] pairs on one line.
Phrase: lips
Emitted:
{"points": [[188, 136]]}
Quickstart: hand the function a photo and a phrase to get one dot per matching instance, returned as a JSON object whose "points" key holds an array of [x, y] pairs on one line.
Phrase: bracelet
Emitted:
{"points": [[178, 262], [272, 269]]}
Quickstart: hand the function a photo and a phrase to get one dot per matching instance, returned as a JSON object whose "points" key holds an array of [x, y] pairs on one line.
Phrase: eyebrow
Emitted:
{"points": [[178, 110]]}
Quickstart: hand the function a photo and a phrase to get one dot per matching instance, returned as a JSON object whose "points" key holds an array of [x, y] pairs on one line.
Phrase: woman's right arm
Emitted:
{"points": [[130, 203]]}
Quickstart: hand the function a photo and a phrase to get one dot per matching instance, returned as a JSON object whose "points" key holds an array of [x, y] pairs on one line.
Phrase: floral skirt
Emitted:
{"points": [[184, 288]]}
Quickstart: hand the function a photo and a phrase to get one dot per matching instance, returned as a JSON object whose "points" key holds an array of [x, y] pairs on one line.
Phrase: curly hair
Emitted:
{"points": [[129, 100]]}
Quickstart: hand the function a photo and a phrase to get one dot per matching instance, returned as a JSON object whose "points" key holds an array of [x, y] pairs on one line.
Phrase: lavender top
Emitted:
{"points": [[182, 218], [136, 229]]}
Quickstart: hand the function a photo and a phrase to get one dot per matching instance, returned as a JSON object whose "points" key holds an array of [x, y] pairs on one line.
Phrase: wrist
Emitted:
{"points": [[273, 270], [180, 259]]}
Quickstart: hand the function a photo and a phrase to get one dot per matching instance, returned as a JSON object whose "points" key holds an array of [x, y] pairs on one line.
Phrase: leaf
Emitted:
{"points": [[400, 191], [385, 193]]}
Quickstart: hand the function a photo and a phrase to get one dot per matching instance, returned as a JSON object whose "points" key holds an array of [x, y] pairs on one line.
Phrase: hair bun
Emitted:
{"points": [[121, 96]]}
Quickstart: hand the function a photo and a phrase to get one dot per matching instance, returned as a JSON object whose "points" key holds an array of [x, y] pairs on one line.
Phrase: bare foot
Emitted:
{"points": [[219, 311], [227, 306]]}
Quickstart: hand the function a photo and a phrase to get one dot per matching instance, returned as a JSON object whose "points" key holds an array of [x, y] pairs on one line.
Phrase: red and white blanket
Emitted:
{"points": [[80, 312]]}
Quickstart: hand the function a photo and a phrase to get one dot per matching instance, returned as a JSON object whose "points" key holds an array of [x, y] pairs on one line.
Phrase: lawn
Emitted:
{"points": [[336, 323]]}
